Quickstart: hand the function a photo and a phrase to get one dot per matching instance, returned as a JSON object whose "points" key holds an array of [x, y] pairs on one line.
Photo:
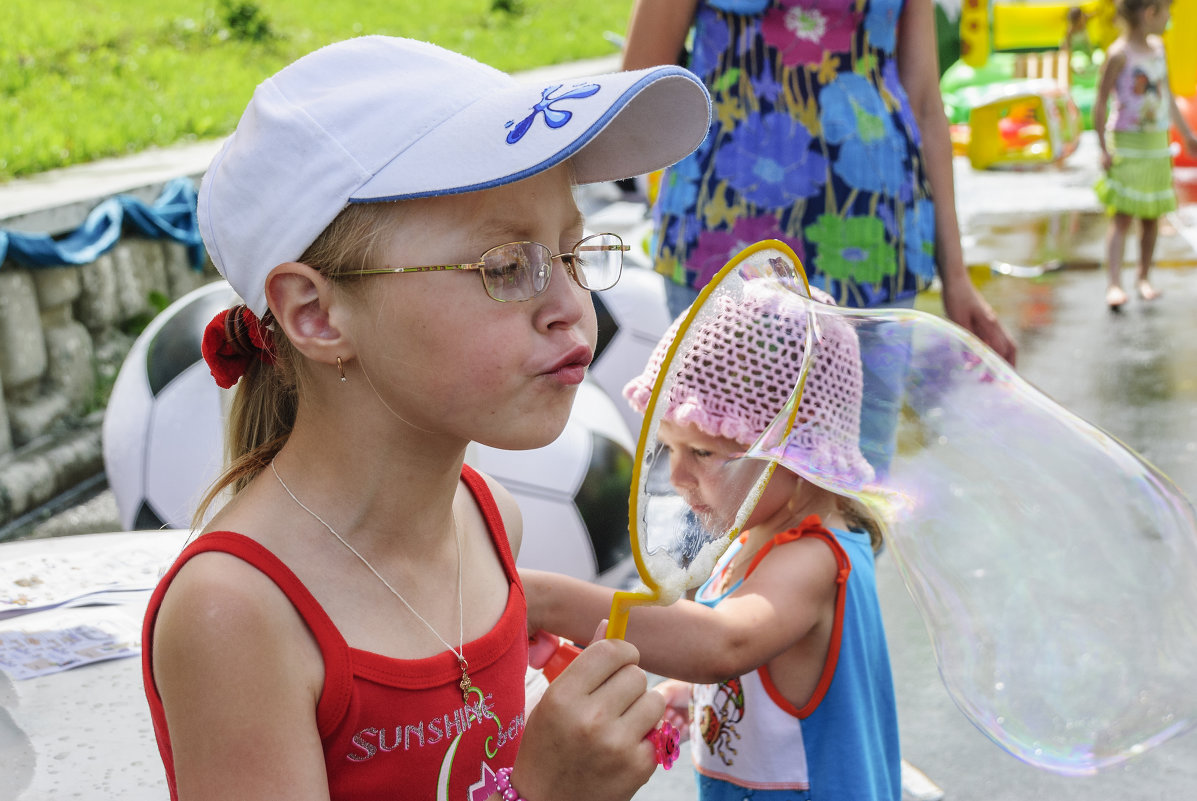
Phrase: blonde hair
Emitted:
{"points": [[857, 517], [267, 396]]}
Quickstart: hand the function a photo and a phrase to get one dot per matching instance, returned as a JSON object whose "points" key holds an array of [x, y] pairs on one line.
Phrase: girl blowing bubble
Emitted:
{"points": [[790, 694], [350, 625]]}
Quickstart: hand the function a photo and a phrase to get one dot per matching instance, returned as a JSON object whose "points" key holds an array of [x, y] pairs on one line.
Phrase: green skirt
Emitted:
{"points": [[1139, 182]]}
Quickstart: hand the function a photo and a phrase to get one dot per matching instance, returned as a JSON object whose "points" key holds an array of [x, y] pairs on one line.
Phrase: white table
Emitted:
{"points": [[83, 733]]}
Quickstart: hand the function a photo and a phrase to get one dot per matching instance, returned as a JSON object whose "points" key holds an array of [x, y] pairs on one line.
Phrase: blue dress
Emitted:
{"points": [[749, 742], [813, 142]]}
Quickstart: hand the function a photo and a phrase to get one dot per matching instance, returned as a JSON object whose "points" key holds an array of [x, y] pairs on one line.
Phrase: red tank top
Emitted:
{"points": [[394, 728]]}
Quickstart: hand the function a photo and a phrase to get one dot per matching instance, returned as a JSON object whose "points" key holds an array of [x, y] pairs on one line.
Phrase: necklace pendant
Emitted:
{"points": [[465, 684]]}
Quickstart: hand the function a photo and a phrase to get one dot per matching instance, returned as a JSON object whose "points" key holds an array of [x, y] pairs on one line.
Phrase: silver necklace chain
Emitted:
{"points": [[459, 651]]}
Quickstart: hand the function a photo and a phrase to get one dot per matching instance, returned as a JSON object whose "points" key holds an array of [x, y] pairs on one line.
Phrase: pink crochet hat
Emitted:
{"points": [[744, 362]]}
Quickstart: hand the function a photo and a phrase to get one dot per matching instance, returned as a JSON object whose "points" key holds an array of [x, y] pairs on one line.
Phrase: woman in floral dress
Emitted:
{"points": [[829, 134]]}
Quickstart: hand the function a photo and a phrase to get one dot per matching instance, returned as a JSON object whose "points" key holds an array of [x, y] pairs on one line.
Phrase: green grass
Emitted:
{"points": [[84, 79]]}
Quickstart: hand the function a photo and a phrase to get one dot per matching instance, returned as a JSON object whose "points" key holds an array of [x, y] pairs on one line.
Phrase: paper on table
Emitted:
{"points": [[96, 576], [56, 641]]}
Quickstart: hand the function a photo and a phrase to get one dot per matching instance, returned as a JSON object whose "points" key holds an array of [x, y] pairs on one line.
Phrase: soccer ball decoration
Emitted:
{"points": [[632, 316], [573, 492], [163, 429]]}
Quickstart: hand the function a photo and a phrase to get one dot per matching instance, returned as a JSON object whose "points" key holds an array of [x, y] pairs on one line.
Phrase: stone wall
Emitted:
{"points": [[64, 332]]}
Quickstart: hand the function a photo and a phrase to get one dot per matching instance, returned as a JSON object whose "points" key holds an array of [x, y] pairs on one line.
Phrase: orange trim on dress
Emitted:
{"points": [[812, 526]]}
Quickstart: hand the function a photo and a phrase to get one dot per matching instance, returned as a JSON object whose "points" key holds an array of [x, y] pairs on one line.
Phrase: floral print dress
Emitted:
{"points": [[813, 142]]}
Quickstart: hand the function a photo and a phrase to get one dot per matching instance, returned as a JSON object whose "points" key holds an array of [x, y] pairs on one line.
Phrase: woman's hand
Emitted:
{"points": [[585, 739], [965, 306]]}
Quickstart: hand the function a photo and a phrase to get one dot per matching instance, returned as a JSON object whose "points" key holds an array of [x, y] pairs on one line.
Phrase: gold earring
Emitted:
{"points": [[341, 369]]}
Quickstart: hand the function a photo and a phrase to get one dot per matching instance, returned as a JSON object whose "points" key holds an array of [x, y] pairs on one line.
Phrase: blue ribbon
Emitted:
{"points": [[171, 215]]}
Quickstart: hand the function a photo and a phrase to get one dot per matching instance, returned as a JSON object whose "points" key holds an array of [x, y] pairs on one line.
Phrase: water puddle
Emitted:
{"points": [[1132, 373]]}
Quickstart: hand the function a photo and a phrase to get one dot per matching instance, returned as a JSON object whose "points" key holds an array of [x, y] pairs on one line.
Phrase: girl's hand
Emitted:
{"points": [[1107, 161], [585, 739], [1191, 145], [677, 704]]}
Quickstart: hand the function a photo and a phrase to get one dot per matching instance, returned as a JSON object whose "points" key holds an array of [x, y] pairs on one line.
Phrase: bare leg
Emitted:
{"points": [[1149, 231], [1115, 246]]}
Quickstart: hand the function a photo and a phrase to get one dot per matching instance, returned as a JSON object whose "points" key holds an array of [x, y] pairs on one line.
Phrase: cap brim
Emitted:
{"points": [[612, 126]]}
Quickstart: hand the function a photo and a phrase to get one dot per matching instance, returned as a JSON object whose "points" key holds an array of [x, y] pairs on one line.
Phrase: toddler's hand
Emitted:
{"points": [[677, 704], [585, 739]]}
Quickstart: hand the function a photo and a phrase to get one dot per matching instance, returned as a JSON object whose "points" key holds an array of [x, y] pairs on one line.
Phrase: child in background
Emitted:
{"points": [[1137, 164], [791, 694], [1076, 44], [350, 625]]}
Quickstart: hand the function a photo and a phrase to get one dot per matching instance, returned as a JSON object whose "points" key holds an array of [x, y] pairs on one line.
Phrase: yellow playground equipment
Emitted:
{"points": [[1022, 125], [1026, 25], [1182, 55]]}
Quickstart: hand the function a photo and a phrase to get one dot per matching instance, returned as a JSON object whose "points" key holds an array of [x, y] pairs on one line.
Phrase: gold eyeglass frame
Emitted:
{"points": [[567, 259]]}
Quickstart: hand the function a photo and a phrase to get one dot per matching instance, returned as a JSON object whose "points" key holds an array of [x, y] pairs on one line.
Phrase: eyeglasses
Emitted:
{"points": [[521, 270]]}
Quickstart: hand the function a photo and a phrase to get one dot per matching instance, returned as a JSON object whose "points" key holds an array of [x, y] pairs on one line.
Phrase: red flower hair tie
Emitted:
{"points": [[231, 340]]}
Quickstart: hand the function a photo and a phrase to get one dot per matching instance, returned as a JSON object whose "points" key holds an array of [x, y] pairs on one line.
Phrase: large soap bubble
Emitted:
{"points": [[1003, 511]]}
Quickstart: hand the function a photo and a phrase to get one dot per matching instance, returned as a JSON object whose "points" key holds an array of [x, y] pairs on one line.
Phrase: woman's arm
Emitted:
{"points": [[777, 606], [657, 32], [918, 71]]}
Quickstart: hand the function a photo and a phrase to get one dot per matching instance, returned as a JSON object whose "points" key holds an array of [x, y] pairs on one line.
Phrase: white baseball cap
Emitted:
{"points": [[380, 118]]}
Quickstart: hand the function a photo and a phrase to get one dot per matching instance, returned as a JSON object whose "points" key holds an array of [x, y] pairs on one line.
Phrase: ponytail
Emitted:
{"points": [[261, 416], [266, 400]]}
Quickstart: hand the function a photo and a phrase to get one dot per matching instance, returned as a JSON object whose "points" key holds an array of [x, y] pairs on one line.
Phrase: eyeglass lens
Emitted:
{"points": [[521, 270]]}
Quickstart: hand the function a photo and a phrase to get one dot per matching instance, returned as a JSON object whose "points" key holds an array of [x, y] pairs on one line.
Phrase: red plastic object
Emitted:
{"points": [[1187, 106], [560, 659]]}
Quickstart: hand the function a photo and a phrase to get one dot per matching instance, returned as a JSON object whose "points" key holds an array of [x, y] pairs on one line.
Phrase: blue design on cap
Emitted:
{"points": [[554, 118]]}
